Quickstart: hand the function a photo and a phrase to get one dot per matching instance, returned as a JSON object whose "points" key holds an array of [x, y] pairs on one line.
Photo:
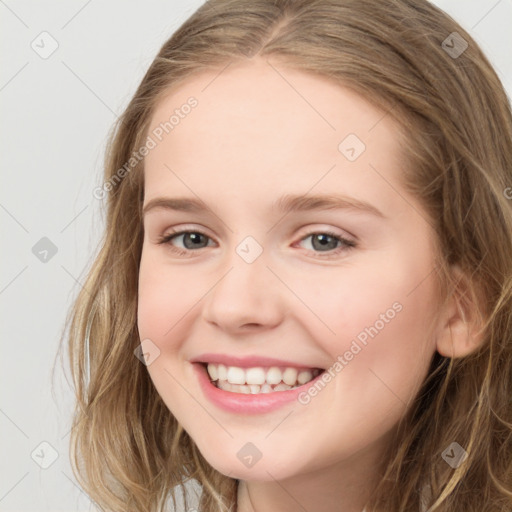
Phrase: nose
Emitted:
{"points": [[246, 296]]}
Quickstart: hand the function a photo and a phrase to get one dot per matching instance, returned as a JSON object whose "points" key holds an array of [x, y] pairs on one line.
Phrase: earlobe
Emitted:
{"points": [[460, 329]]}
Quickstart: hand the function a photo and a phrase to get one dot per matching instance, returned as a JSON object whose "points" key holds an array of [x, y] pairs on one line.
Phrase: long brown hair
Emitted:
{"points": [[128, 451]]}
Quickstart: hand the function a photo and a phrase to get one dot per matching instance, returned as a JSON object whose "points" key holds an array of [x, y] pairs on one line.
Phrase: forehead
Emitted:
{"points": [[258, 88], [267, 124]]}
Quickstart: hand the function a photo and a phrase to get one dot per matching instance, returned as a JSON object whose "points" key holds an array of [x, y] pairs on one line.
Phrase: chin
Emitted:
{"points": [[266, 469]]}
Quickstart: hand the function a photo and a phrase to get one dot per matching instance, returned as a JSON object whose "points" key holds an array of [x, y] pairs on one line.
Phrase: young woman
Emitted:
{"points": [[303, 296]]}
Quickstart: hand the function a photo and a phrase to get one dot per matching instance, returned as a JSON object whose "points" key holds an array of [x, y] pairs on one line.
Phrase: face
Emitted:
{"points": [[346, 289]]}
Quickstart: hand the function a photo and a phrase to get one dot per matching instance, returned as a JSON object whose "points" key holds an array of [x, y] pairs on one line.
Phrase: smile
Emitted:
{"points": [[273, 393], [259, 379]]}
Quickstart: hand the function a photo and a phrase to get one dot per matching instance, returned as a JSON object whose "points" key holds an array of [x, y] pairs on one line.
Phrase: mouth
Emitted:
{"points": [[259, 379], [235, 389]]}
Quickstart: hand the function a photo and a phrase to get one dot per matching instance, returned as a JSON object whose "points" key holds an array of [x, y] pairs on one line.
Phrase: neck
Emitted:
{"points": [[344, 486]]}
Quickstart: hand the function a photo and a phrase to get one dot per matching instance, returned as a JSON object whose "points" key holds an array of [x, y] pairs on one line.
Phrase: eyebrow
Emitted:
{"points": [[288, 203]]}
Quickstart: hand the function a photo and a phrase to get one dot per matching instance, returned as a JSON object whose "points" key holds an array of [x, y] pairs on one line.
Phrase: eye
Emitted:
{"points": [[190, 239], [327, 242]]}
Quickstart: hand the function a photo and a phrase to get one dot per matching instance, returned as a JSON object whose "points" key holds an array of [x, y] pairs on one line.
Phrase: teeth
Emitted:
{"points": [[290, 376], [254, 389], [212, 371], [304, 376], [244, 389], [222, 372], [255, 375], [274, 375], [282, 387], [266, 388], [236, 375], [258, 379]]}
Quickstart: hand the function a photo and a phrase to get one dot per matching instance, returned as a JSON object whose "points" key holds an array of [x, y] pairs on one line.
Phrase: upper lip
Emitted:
{"points": [[248, 361]]}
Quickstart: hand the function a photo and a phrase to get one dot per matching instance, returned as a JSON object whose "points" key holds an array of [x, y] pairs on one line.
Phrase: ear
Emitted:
{"points": [[460, 324]]}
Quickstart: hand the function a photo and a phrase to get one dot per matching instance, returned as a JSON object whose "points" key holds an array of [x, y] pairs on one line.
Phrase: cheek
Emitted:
{"points": [[376, 322], [155, 306], [165, 316], [164, 299], [380, 353], [344, 302]]}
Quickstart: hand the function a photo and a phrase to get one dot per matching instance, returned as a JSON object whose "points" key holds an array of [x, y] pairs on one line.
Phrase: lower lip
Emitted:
{"points": [[247, 403]]}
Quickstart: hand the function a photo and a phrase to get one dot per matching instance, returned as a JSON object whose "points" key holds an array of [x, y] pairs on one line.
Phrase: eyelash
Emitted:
{"points": [[347, 244]]}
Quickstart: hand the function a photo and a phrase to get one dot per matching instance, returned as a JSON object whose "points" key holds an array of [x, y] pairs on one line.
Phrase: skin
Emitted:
{"points": [[252, 138]]}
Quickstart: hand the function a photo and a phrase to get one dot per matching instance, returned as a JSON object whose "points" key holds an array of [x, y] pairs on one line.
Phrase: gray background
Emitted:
{"points": [[56, 113]]}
